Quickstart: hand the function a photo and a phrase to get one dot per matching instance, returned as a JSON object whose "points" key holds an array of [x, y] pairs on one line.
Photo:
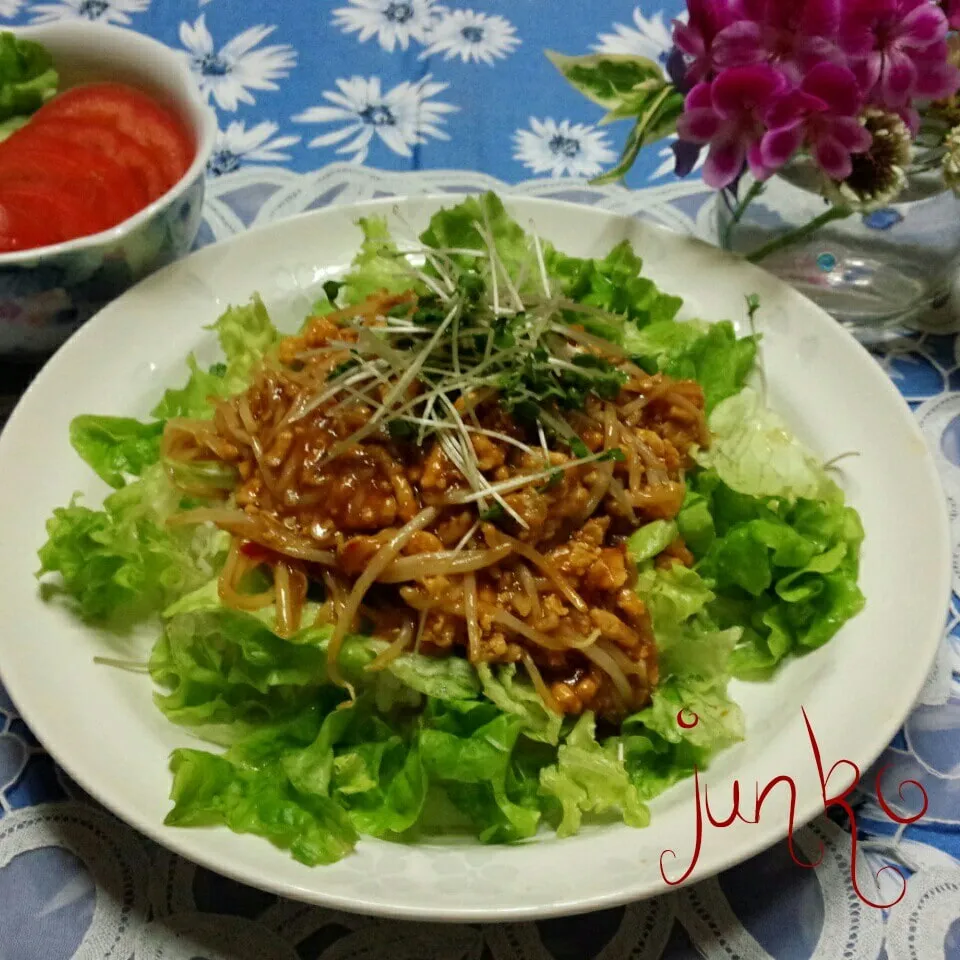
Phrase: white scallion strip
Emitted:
{"points": [[470, 612], [397, 390], [442, 563], [515, 483], [545, 279], [467, 537]]}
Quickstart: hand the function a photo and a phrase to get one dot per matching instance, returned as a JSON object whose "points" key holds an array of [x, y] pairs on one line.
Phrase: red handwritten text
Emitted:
{"points": [[687, 720]]}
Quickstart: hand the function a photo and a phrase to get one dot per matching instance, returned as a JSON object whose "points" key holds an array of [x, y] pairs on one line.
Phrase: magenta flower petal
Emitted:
{"points": [[849, 132], [922, 26], [739, 45], [778, 146], [897, 78], [836, 86], [687, 39], [820, 18], [699, 126], [832, 158], [758, 168], [724, 163], [745, 88], [867, 70], [937, 80], [790, 108], [855, 38], [699, 98]]}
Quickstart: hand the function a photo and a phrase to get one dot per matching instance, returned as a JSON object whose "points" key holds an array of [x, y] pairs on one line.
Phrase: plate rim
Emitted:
{"points": [[760, 839]]}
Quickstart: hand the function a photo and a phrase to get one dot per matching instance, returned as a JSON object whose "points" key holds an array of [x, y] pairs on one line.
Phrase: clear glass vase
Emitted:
{"points": [[868, 270]]}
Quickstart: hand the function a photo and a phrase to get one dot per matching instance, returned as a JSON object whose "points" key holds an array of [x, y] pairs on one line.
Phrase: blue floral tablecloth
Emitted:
{"points": [[332, 101]]}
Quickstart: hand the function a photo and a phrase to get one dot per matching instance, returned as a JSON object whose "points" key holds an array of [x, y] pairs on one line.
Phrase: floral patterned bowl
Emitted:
{"points": [[48, 293]]}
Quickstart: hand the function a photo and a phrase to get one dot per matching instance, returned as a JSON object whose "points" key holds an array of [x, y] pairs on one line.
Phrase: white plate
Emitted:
{"points": [[101, 726]]}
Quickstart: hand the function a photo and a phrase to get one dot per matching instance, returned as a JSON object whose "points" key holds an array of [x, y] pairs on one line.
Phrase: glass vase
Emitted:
{"points": [[868, 270]]}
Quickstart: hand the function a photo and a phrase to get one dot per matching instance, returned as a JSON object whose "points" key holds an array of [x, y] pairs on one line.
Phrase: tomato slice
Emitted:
{"points": [[33, 215], [135, 114], [108, 191], [107, 141]]}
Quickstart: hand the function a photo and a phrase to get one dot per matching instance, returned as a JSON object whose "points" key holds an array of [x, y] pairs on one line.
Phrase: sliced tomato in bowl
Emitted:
{"points": [[133, 113], [105, 139], [37, 214], [110, 192]]}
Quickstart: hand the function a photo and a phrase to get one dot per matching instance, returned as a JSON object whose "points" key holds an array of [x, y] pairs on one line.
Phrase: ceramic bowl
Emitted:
{"points": [[46, 293]]}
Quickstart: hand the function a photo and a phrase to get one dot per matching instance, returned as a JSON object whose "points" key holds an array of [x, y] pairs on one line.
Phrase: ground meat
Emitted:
{"points": [[561, 581]]}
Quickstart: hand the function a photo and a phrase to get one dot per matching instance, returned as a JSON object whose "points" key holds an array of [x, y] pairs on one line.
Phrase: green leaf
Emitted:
{"points": [[27, 76], [651, 539], [221, 667], [456, 227], [709, 353], [589, 778], [658, 751], [377, 266], [783, 570], [607, 79], [246, 334], [657, 112], [518, 697], [122, 563], [474, 766], [614, 285], [754, 452], [209, 789], [116, 447]]}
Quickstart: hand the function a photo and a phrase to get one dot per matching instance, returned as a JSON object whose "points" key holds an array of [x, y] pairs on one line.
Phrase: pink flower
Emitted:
{"points": [[794, 34], [695, 37], [822, 114], [729, 115], [898, 50]]}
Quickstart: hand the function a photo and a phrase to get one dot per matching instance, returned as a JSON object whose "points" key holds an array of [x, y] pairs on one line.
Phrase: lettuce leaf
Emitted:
{"points": [[786, 571], [209, 789], [377, 265], [512, 695], [116, 447], [651, 539], [469, 752], [27, 76], [694, 662], [753, 452], [122, 563], [590, 778], [224, 671], [246, 334], [457, 228], [709, 353], [613, 284]]}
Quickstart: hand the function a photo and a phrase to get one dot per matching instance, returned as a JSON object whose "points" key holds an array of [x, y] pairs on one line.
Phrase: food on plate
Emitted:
{"points": [[456, 553], [83, 160]]}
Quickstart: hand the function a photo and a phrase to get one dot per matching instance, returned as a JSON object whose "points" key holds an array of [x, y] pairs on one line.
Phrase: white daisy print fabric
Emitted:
{"points": [[109, 11], [236, 145], [239, 66], [393, 23], [650, 36], [563, 149], [402, 117], [472, 37]]}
